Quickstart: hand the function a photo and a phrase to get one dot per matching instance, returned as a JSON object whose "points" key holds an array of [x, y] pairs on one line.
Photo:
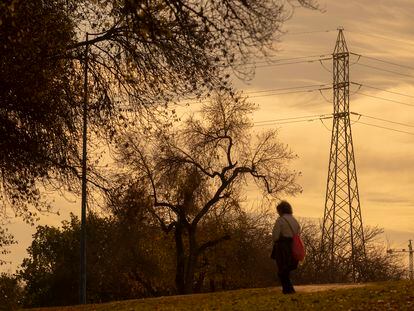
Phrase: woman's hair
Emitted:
{"points": [[284, 208]]}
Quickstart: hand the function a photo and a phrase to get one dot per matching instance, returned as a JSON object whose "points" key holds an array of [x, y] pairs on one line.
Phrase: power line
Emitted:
{"points": [[285, 93], [295, 118], [379, 36], [293, 63], [379, 89], [323, 66], [288, 88], [382, 61], [291, 58], [386, 99], [293, 121], [307, 32], [386, 128], [386, 70], [269, 61], [262, 93], [384, 120], [270, 91]]}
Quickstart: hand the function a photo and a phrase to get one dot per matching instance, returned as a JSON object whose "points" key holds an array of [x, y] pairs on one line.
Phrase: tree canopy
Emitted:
{"points": [[200, 168], [39, 96], [141, 53]]}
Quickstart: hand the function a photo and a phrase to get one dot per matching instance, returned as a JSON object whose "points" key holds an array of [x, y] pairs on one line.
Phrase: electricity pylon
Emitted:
{"points": [[410, 252], [342, 232]]}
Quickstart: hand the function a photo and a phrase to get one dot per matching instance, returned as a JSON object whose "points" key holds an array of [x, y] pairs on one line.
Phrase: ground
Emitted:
{"points": [[379, 296]]}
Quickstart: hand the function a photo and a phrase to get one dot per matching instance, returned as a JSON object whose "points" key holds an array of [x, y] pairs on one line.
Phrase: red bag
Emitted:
{"points": [[298, 249]]}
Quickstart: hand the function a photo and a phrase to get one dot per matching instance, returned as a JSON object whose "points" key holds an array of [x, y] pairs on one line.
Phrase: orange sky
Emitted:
{"points": [[383, 158], [380, 29]]}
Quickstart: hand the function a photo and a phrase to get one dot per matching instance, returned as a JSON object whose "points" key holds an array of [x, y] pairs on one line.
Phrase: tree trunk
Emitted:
{"points": [[180, 257], [186, 263], [191, 261]]}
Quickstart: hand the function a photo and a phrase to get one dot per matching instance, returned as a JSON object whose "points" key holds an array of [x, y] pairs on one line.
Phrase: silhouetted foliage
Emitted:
{"points": [[39, 98], [131, 257], [6, 240], [201, 167], [241, 262], [143, 54], [50, 273], [317, 267], [125, 260], [11, 293]]}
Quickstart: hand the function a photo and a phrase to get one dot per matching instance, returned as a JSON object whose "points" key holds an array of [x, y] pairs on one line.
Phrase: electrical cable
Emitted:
{"points": [[290, 122], [379, 89], [323, 66], [292, 63], [385, 70], [329, 130], [382, 61], [380, 119], [262, 93], [379, 36], [292, 58], [287, 88], [269, 61], [357, 90], [307, 32], [285, 93], [386, 128], [324, 97], [357, 61], [357, 120], [386, 99], [295, 118]]}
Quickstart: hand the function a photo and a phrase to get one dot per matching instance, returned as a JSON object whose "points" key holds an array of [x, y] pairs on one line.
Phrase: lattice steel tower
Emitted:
{"points": [[342, 233]]}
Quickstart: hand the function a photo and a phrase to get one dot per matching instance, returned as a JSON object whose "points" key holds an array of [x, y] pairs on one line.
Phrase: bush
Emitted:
{"points": [[10, 292]]}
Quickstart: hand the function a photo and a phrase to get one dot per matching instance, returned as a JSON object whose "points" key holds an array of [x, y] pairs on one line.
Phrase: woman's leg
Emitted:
{"points": [[287, 287]]}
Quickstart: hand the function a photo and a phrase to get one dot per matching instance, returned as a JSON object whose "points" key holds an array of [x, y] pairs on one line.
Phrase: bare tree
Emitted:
{"points": [[201, 167]]}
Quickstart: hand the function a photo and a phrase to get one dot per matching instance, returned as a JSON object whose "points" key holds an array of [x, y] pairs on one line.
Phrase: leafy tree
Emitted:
{"points": [[6, 240], [10, 292], [39, 97], [243, 261], [127, 259], [201, 167], [131, 257], [50, 272], [142, 53]]}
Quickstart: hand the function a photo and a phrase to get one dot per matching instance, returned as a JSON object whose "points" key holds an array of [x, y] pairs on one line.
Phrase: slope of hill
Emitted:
{"points": [[379, 296]]}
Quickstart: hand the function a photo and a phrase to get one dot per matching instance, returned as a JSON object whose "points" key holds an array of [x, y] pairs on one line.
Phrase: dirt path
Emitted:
{"points": [[325, 287]]}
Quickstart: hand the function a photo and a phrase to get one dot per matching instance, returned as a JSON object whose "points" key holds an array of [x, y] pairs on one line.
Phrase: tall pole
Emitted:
{"points": [[411, 259], [82, 287], [342, 232]]}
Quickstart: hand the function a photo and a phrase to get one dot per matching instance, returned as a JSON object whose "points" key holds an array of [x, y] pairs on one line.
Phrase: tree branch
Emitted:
{"points": [[263, 177], [212, 243], [107, 35], [217, 196]]}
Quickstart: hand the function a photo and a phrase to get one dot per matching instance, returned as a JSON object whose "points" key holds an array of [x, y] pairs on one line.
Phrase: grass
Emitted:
{"points": [[379, 296]]}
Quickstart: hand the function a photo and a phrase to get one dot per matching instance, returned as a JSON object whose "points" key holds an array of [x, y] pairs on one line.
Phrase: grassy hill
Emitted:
{"points": [[379, 296]]}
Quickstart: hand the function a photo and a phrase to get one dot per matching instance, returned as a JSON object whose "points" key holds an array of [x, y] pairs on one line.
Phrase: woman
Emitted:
{"points": [[283, 230]]}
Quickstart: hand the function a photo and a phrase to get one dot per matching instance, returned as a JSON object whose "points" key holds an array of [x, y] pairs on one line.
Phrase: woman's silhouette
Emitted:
{"points": [[285, 227]]}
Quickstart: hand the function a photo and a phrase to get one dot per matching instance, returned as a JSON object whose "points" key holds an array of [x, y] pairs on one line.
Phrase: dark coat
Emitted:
{"points": [[282, 253]]}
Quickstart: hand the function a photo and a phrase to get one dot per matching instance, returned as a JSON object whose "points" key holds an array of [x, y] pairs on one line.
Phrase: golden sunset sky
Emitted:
{"points": [[383, 30], [384, 158]]}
